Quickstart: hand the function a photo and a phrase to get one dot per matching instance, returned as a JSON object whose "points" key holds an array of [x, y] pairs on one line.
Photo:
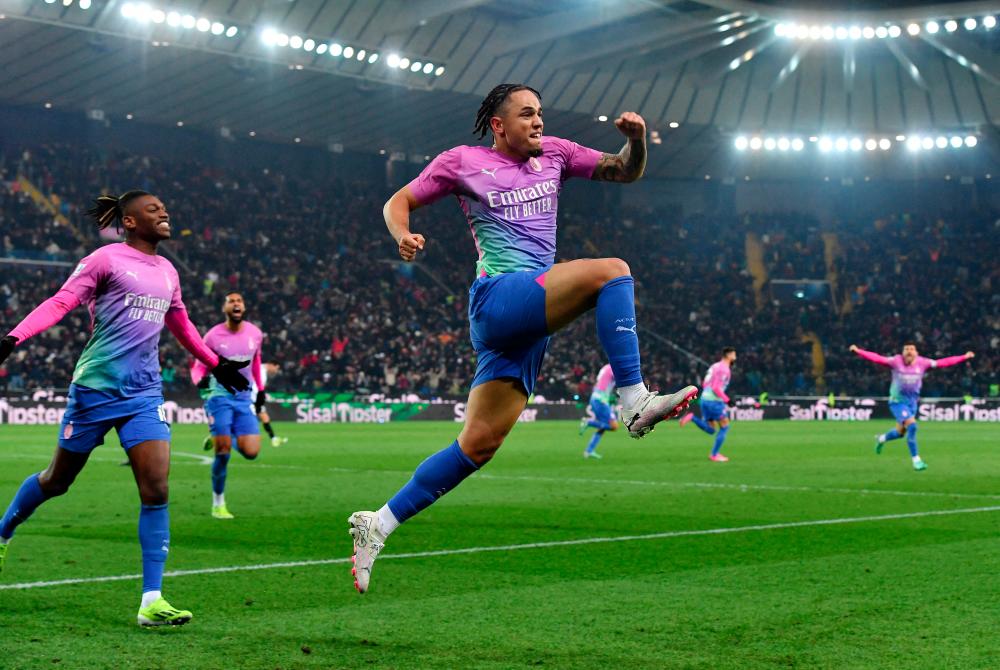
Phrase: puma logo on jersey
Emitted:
{"points": [[131, 274], [492, 173]]}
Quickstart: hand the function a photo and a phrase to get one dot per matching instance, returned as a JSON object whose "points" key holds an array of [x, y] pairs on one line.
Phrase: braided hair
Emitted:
{"points": [[493, 101], [109, 209]]}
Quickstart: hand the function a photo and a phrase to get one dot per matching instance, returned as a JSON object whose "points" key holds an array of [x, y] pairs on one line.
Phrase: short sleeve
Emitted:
{"points": [[89, 274], [438, 179], [578, 160]]}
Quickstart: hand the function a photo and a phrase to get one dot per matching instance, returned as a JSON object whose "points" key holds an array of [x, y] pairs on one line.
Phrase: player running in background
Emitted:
{"points": [[714, 418], [131, 292], [232, 414], [509, 193], [268, 370], [602, 400], [908, 370]]}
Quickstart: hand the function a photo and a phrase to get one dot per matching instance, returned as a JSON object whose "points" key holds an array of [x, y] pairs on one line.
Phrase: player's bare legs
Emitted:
{"points": [[492, 412], [571, 289]]}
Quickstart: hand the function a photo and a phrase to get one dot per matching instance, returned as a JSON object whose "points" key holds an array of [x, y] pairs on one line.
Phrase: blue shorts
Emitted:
{"points": [[713, 410], [602, 411], [907, 409], [231, 416], [507, 326], [91, 414]]}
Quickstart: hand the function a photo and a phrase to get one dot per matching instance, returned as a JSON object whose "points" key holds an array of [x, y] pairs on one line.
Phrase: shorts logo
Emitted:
{"points": [[535, 164], [211, 420], [68, 431], [161, 411]]}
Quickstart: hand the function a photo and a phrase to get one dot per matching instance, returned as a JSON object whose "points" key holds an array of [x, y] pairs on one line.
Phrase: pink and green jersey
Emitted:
{"points": [[604, 388], [130, 296], [716, 382], [908, 379], [510, 204], [240, 345]]}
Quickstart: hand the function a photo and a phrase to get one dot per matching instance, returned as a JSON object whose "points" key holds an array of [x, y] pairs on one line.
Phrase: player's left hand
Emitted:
{"points": [[258, 403], [631, 125], [228, 374], [968, 354], [7, 345]]}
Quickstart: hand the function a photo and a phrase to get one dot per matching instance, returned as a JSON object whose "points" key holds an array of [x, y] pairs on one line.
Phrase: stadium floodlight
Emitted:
{"points": [[841, 33], [856, 144], [900, 138], [971, 141], [218, 28], [828, 33], [895, 31], [309, 45], [841, 144], [932, 27], [868, 32], [885, 144], [956, 142], [269, 36], [373, 57], [927, 143], [941, 142], [913, 144], [361, 55], [971, 24], [173, 19], [282, 40], [825, 144], [769, 144], [188, 21], [951, 26], [871, 144], [321, 49], [815, 32], [67, 3], [203, 25], [415, 66], [798, 144], [854, 32], [348, 52], [127, 10], [784, 144], [439, 71], [756, 143], [336, 49], [801, 32], [602, 118], [428, 68], [741, 143], [913, 29], [780, 30], [158, 16], [881, 32], [404, 63], [295, 42], [85, 4], [231, 31], [392, 60], [989, 22]]}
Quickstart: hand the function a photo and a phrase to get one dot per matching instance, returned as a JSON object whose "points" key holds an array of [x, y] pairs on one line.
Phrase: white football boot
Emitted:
{"points": [[654, 408], [368, 542]]}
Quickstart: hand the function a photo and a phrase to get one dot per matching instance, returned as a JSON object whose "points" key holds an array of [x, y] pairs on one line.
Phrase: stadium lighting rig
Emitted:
{"points": [[82, 4], [146, 13], [272, 37], [853, 143], [854, 32]]}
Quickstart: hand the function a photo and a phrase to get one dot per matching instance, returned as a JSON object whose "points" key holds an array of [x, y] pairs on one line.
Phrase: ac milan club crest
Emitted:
{"points": [[535, 164], [68, 431]]}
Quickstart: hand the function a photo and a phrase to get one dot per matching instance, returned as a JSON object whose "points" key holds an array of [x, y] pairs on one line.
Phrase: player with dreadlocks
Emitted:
{"points": [[131, 292], [509, 193]]}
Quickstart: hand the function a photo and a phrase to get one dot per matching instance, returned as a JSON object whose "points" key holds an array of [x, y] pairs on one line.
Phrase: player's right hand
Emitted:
{"points": [[7, 345], [409, 245], [227, 372], [854, 348]]}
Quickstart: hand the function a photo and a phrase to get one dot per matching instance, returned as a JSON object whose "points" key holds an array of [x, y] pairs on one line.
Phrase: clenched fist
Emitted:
{"points": [[409, 245], [631, 126]]}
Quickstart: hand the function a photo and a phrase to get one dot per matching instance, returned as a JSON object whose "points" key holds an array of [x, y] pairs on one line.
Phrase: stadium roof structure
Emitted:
{"points": [[836, 92]]}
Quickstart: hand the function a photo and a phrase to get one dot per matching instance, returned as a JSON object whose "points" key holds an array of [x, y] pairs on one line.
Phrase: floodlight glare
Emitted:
{"points": [[173, 19], [927, 143], [841, 33], [203, 25], [932, 27], [769, 144], [913, 29], [361, 54], [404, 63], [218, 28], [428, 68], [895, 31], [815, 32], [321, 49], [85, 4], [282, 40], [348, 52], [828, 33], [801, 32], [231, 31], [885, 144], [128, 10], [941, 142], [741, 142], [309, 45], [187, 21], [336, 49], [780, 30], [784, 144], [868, 32], [841, 144], [158, 16], [913, 144], [971, 141], [970, 24], [956, 142], [295, 42], [825, 144], [392, 60], [798, 144], [415, 66], [881, 32], [373, 57], [439, 71], [756, 144], [268, 36], [854, 32], [989, 22], [951, 26], [856, 144], [871, 144]]}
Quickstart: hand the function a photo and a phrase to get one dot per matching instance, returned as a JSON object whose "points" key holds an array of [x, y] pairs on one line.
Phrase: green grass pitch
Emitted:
{"points": [[831, 556]]}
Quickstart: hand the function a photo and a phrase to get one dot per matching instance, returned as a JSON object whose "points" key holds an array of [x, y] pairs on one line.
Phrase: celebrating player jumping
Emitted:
{"points": [[509, 193], [908, 370], [131, 293]]}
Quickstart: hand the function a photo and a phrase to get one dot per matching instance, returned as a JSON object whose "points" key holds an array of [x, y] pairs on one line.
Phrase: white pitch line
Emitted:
{"points": [[518, 547]]}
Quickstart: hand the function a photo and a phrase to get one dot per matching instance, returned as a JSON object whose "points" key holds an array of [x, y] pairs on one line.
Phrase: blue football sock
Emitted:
{"points": [[616, 329], [892, 435], [594, 440], [704, 425], [911, 439], [219, 468], [154, 538], [437, 475], [25, 501], [719, 439]]}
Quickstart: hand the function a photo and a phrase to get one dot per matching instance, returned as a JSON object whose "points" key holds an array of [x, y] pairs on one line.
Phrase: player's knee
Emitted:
{"points": [[154, 492], [250, 451], [480, 441], [53, 487], [618, 268]]}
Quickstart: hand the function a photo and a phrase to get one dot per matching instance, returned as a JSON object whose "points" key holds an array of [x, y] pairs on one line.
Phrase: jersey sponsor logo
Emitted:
{"points": [[146, 307], [526, 194]]}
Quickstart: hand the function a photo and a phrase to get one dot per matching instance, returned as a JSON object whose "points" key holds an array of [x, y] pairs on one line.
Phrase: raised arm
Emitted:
{"points": [[628, 164], [41, 318], [397, 219], [871, 356], [948, 361]]}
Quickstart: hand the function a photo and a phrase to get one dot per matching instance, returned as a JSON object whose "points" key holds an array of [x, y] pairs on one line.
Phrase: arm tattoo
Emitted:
{"points": [[625, 166]]}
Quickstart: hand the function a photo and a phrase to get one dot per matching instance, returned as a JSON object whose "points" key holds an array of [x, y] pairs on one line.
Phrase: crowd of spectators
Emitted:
{"points": [[321, 277]]}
